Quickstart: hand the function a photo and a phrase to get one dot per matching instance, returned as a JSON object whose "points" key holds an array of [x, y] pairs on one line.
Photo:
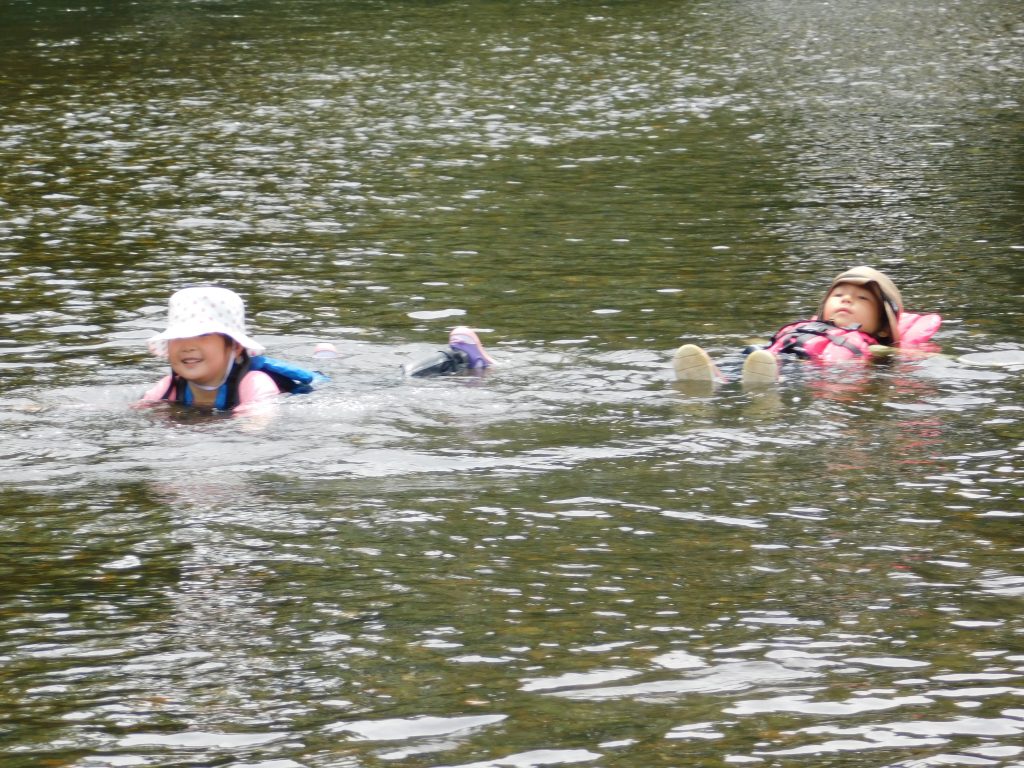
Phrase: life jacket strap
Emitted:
{"points": [[794, 337], [227, 395]]}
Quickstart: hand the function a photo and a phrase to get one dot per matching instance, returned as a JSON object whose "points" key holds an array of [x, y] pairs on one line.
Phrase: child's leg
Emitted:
{"points": [[441, 362], [465, 352]]}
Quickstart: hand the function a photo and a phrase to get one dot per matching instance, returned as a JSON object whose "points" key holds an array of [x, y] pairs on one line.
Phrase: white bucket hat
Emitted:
{"points": [[207, 309]]}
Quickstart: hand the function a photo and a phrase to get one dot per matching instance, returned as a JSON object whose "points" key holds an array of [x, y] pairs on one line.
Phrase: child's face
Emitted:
{"points": [[202, 359], [850, 304]]}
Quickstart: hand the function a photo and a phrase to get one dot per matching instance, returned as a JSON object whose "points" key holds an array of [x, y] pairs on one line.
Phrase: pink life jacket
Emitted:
{"points": [[820, 341], [917, 329], [824, 342]]}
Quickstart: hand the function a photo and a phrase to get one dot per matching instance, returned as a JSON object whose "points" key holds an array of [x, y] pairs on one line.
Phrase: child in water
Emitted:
{"points": [[214, 362], [861, 311]]}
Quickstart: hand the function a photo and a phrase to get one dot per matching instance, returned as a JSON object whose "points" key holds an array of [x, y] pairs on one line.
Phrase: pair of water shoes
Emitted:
{"points": [[691, 363]]}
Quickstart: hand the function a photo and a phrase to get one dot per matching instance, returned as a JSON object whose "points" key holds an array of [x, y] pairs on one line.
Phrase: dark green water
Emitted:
{"points": [[572, 560]]}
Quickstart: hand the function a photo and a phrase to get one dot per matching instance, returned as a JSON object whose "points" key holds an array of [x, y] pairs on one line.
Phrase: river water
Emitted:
{"points": [[572, 560]]}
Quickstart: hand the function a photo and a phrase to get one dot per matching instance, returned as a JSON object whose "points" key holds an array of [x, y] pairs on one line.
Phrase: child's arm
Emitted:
{"points": [[255, 387], [915, 334], [156, 393], [917, 329]]}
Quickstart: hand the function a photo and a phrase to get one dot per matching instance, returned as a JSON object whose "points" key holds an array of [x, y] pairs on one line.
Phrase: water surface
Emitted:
{"points": [[572, 560]]}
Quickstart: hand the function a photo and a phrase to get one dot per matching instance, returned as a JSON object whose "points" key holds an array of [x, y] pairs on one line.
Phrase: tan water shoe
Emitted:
{"points": [[760, 369]]}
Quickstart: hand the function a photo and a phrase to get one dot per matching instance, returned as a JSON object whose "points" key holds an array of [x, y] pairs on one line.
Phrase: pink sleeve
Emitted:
{"points": [[255, 387], [917, 329], [156, 393]]}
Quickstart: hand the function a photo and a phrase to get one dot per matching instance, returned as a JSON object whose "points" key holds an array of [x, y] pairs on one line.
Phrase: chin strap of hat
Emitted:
{"points": [[895, 312], [227, 375]]}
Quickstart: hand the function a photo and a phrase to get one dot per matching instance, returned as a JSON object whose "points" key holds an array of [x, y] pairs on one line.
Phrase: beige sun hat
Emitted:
{"points": [[201, 310], [888, 293]]}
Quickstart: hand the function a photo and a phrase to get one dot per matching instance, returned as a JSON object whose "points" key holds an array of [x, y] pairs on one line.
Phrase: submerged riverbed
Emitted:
{"points": [[572, 559]]}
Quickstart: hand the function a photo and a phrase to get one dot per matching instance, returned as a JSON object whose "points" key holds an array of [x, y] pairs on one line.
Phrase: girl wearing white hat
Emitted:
{"points": [[209, 352]]}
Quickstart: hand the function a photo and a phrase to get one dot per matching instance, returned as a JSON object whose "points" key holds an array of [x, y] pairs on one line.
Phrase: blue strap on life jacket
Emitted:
{"points": [[288, 378], [183, 393]]}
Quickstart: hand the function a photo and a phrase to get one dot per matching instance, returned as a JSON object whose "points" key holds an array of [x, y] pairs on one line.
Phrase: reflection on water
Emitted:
{"points": [[571, 560]]}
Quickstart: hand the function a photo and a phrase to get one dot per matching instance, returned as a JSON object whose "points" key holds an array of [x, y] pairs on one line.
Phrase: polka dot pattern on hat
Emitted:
{"points": [[201, 310]]}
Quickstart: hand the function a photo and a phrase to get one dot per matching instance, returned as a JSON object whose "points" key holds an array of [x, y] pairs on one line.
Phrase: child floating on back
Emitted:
{"points": [[214, 362], [861, 312]]}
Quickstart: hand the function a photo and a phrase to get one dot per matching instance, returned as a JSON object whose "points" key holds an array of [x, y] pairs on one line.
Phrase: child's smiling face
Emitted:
{"points": [[849, 304], [202, 360]]}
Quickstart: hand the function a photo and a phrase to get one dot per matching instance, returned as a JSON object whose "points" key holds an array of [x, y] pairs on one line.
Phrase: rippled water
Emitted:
{"points": [[572, 560]]}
